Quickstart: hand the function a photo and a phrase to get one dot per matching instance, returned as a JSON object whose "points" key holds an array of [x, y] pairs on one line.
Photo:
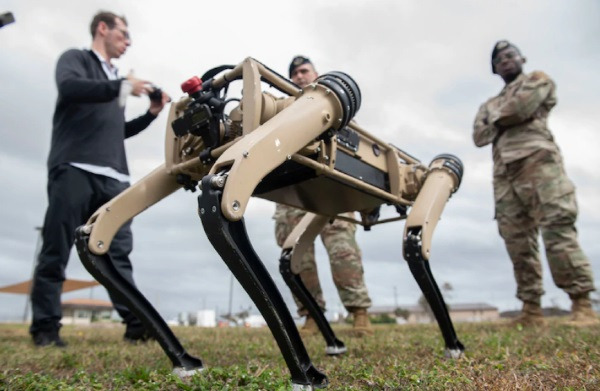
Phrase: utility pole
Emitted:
{"points": [[230, 314], [38, 247]]}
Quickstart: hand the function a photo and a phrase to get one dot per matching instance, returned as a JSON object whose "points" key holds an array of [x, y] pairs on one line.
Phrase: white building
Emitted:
{"points": [[206, 318], [86, 311]]}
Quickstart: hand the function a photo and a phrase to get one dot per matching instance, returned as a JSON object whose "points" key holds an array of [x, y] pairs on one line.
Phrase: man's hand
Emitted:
{"points": [[156, 106], [138, 86]]}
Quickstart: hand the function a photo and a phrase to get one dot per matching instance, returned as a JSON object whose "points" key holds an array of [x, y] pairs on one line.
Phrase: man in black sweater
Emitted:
{"points": [[87, 166]]}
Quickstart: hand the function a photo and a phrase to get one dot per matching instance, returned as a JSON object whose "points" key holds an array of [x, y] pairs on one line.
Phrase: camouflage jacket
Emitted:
{"points": [[515, 121]]}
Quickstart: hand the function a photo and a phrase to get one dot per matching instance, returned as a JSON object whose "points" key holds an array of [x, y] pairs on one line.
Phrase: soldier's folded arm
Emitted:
{"points": [[528, 98], [483, 132]]}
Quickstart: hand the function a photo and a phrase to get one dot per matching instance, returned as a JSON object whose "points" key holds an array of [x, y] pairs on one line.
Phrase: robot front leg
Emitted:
{"points": [[93, 241], [104, 271], [231, 241], [294, 248]]}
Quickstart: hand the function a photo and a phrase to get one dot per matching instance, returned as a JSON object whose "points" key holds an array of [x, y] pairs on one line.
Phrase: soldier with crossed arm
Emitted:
{"points": [[531, 189]]}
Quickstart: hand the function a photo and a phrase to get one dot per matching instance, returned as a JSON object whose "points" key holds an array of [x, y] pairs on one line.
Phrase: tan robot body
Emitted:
{"points": [[300, 151]]}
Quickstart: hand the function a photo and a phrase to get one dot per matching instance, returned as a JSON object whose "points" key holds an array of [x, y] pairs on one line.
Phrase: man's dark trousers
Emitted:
{"points": [[73, 196]]}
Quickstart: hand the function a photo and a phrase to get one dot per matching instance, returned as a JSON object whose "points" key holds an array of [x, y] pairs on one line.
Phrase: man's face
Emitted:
{"points": [[508, 62], [116, 40], [304, 74]]}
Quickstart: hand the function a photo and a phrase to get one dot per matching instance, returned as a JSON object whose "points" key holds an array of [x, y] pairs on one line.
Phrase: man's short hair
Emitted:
{"points": [[296, 62], [107, 17]]}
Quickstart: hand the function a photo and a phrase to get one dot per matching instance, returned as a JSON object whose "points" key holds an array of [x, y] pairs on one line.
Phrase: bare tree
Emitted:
{"points": [[447, 289]]}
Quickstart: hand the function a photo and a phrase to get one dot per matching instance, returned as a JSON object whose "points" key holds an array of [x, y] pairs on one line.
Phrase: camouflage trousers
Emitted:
{"points": [[344, 256], [534, 194]]}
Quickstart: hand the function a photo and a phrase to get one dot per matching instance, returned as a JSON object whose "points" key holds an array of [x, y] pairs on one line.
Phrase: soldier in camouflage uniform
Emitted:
{"points": [[531, 189], [339, 240]]}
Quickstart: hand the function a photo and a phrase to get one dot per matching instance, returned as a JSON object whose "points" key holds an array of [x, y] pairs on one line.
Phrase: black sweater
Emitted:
{"points": [[88, 124]]}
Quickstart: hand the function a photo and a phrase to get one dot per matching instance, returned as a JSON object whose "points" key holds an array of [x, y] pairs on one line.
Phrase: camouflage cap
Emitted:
{"points": [[500, 46], [296, 62]]}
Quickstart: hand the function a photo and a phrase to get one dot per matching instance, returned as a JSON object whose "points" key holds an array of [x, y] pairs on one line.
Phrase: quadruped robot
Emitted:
{"points": [[301, 150]]}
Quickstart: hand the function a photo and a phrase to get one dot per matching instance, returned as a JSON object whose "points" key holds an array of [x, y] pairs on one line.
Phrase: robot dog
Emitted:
{"points": [[302, 150]]}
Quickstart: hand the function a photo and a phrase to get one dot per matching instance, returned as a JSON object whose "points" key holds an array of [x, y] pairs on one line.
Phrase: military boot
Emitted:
{"points": [[582, 313], [531, 315], [362, 324], [310, 327]]}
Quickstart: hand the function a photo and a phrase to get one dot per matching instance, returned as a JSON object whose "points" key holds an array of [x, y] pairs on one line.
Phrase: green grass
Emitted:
{"points": [[498, 357]]}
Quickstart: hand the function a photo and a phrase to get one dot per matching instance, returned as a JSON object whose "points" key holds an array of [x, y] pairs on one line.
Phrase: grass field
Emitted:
{"points": [[498, 357]]}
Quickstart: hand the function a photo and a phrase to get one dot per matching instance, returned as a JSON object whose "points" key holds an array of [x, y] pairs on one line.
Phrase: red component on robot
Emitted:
{"points": [[192, 85]]}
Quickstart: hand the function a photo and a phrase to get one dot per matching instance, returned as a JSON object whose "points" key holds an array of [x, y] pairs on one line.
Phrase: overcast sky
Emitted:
{"points": [[423, 68]]}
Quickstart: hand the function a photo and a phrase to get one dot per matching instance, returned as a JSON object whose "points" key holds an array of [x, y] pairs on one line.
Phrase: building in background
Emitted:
{"points": [[461, 312], [206, 318], [24, 288], [202, 318], [86, 311]]}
